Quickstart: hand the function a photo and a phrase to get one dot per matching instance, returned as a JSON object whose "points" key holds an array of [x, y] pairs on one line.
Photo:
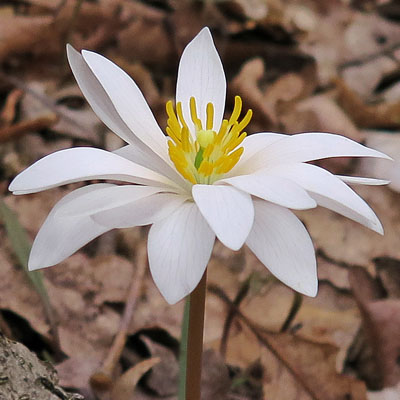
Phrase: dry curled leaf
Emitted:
{"points": [[125, 385]]}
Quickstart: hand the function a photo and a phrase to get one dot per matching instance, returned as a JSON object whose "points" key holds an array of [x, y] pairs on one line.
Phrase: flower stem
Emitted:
{"points": [[183, 351], [195, 340]]}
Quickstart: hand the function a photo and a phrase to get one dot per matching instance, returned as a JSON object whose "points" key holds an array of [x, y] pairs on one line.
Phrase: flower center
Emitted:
{"points": [[207, 155]]}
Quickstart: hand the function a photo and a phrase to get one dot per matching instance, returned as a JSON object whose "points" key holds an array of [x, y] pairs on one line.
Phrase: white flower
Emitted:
{"points": [[205, 179]]}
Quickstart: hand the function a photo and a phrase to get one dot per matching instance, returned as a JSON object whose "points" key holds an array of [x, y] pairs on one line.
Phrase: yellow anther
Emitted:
{"points": [[208, 151], [222, 132], [193, 113], [180, 114], [172, 135], [206, 168], [244, 122], [203, 155], [237, 109], [210, 116], [171, 113], [185, 139]]}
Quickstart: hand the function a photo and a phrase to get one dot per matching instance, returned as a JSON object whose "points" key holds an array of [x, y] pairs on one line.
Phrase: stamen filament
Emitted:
{"points": [[237, 109], [205, 155], [193, 114], [210, 116], [180, 114]]}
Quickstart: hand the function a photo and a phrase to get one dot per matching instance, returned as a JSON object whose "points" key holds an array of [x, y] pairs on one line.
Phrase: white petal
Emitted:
{"points": [[281, 242], [79, 164], [201, 75], [229, 212], [253, 143], [140, 212], [307, 147], [152, 161], [105, 110], [274, 189], [97, 97], [59, 237], [128, 101], [362, 181], [110, 197], [179, 248], [330, 192]]}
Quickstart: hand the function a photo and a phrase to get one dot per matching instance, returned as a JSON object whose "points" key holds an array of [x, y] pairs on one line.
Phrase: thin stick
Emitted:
{"points": [[16, 130], [195, 340], [102, 378], [294, 309], [242, 293]]}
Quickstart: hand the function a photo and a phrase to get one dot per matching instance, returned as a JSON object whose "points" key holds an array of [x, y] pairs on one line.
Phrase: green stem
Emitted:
{"points": [[183, 351]]}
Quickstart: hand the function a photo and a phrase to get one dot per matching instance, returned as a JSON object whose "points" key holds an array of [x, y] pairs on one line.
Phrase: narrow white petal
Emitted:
{"points": [[59, 237], [330, 192], [307, 147], [362, 181], [281, 242], [179, 248], [101, 104], [140, 212], [152, 161], [282, 191], [201, 75], [253, 143], [105, 110], [228, 211], [79, 164], [128, 101], [97, 97], [110, 197]]}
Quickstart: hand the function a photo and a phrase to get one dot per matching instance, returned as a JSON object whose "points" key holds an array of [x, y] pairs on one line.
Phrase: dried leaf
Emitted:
{"points": [[125, 385]]}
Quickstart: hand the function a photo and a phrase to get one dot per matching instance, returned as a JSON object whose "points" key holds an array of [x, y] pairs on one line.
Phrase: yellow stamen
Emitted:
{"points": [[193, 114], [180, 114], [205, 155], [237, 109], [210, 116]]}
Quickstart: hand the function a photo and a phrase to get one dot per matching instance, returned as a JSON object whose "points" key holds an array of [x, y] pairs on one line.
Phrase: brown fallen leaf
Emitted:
{"points": [[309, 365], [381, 324], [246, 85], [125, 385], [313, 371], [164, 377], [20, 34], [381, 115]]}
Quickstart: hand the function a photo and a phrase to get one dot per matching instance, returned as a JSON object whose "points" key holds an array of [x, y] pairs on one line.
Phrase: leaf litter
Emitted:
{"points": [[302, 65]]}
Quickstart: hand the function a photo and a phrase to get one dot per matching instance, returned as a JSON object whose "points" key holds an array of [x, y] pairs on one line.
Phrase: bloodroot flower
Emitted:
{"points": [[206, 179]]}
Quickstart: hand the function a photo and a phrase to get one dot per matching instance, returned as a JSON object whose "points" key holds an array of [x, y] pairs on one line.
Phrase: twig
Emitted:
{"points": [[242, 293], [9, 110], [386, 51], [266, 338], [48, 102], [102, 378], [297, 301], [10, 132]]}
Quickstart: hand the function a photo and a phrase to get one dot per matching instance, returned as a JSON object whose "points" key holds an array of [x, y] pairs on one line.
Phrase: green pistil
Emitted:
{"points": [[199, 158]]}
